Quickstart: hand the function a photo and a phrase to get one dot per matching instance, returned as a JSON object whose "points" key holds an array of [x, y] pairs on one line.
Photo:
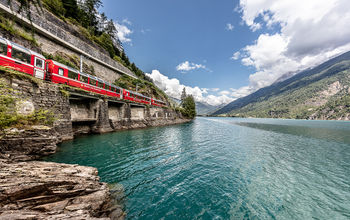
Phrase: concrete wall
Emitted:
{"points": [[83, 112], [116, 111]]}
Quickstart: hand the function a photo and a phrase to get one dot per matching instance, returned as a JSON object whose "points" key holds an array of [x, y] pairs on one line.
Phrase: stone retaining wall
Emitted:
{"points": [[80, 112], [68, 33]]}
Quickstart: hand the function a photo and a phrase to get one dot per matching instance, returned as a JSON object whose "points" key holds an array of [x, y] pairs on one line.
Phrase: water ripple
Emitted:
{"points": [[225, 168]]}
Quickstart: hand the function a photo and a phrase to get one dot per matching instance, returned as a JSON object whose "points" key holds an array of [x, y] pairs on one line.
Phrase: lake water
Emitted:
{"points": [[224, 168]]}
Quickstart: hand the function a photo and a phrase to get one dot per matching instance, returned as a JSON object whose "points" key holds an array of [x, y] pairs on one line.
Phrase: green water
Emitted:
{"points": [[225, 168]]}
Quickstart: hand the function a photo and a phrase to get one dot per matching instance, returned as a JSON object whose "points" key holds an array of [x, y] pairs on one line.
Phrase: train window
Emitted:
{"points": [[39, 63], [84, 79], [117, 90], [92, 82], [72, 75], [20, 55], [3, 48], [60, 71], [100, 84]]}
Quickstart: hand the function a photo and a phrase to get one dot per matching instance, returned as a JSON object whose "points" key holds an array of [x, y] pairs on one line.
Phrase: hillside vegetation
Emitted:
{"points": [[94, 27], [319, 93]]}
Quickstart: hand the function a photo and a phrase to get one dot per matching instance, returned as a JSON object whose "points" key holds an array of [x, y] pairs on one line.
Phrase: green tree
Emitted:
{"points": [[55, 6], [111, 29], [102, 23], [125, 58], [71, 8], [189, 107], [183, 95]]}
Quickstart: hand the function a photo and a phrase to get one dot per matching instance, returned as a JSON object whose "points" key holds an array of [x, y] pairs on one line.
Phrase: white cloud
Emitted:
{"points": [[173, 88], [126, 21], [123, 32], [187, 66], [311, 32], [241, 92], [229, 27], [224, 92], [236, 56]]}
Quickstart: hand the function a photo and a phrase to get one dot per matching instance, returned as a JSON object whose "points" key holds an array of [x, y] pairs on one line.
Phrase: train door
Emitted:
{"points": [[39, 68]]}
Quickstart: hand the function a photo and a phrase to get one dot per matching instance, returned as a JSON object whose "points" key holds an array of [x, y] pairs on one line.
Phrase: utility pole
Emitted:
{"points": [[81, 62]]}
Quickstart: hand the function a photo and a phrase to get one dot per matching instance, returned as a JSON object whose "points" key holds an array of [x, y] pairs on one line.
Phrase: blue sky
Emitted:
{"points": [[192, 43]]}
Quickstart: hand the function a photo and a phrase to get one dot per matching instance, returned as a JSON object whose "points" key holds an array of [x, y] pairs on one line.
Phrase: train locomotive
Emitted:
{"points": [[27, 61]]}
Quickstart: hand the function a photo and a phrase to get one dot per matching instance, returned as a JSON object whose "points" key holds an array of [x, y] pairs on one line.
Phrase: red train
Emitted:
{"points": [[24, 60]]}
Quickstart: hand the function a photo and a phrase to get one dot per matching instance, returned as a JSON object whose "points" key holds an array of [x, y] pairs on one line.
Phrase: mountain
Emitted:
{"points": [[205, 109], [201, 107], [322, 92]]}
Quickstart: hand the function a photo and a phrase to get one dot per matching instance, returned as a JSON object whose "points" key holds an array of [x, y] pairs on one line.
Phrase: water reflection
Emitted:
{"points": [[342, 136]]}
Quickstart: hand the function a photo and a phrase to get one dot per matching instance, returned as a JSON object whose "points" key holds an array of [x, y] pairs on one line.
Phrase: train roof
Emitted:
{"points": [[84, 74], [115, 86], [20, 47], [136, 93], [65, 66], [159, 100]]}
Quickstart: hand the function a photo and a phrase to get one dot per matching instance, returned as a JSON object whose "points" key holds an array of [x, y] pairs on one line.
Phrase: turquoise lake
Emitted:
{"points": [[224, 168]]}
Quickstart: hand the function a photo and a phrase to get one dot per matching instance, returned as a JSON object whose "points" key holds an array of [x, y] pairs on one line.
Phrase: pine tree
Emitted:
{"points": [[189, 107], [71, 8], [102, 23], [89, 7], [183, 95], [111, 29]]}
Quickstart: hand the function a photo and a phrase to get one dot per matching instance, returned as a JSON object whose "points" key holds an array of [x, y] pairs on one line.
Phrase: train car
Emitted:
{"points": [[27, 61], [60, 73], [158, 103], [114, 91], [21, 59], [136, 97]]}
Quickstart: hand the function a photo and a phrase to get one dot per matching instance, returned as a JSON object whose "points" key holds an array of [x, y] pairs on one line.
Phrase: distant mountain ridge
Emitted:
{"points": [[206, 109], [201, 107], [312, 94]]}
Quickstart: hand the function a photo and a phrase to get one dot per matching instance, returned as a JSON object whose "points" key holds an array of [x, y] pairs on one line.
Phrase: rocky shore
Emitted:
{"points": [[44, 190]]}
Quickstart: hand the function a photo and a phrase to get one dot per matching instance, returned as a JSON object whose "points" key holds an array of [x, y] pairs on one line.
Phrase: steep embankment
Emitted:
{"points": [[322, 92]]}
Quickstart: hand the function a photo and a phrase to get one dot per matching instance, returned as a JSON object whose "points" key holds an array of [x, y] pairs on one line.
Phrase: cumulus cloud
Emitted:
{"points": [[236, 56], [187, 66], [229, 27], [123, 32], [224, 92], [173, 88], [310, 32]]}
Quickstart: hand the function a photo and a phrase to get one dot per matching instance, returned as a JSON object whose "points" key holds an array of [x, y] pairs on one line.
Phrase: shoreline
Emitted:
{"points": [[40, 190]]}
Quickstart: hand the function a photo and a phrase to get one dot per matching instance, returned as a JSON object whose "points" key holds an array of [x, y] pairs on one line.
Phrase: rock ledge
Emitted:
{"points": [[45, 190]]}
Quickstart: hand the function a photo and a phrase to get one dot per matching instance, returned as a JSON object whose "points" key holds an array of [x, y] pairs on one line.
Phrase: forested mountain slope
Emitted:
{"points": [[319, 93]]}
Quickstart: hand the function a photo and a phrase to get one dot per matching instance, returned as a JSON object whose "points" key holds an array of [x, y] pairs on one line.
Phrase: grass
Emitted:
{"points": [[8, 113], [9, 26], [9, 72], [144, 87]]}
